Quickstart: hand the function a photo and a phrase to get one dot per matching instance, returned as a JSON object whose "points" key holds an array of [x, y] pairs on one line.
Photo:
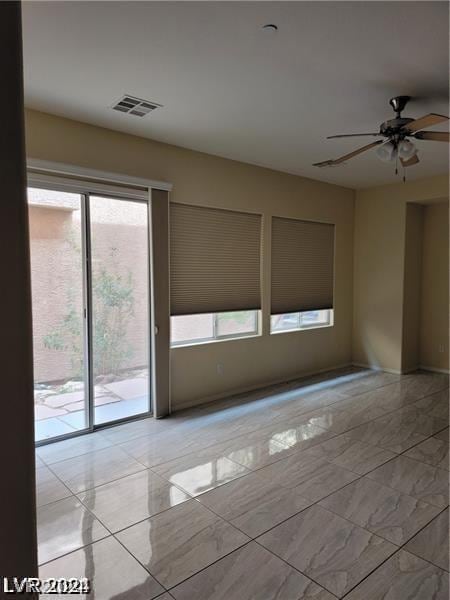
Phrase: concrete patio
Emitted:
{"points": [[62, 408]]}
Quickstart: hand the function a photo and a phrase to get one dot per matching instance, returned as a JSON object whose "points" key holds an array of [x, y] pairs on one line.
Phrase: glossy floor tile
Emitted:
{"points": [[58, 451], [372, 402], [403, 577], [400, 394], [381, 510], [252, 451], [254, 504], [327, 548], [338, 419], [412, 477], [198, 474], [127, 431], [432, 542], [244, 424], [433, 451], [48, 487], [430, 382], [65, 526], [95, 468], [436, 405], [352, 454], [363, 381], [398, 431], [112, 571], [155, 449], [442, 435], [181, 541], [312, 477], [131, 499], [296, 401], [250, 573], [334, 473], [298, 433]]}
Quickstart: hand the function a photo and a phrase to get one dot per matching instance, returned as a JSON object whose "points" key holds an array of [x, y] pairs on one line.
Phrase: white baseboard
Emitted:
{"points": [[254, 388], [434, 369]]}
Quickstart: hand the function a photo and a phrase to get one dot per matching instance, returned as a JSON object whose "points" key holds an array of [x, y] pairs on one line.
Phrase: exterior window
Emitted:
{"points": [[301, 320], [195, 329]]}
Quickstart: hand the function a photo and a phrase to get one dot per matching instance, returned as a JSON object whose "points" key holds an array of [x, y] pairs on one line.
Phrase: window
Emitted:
{"points": [[194, 329], [301, 320], [302, 268], [215, 260]]}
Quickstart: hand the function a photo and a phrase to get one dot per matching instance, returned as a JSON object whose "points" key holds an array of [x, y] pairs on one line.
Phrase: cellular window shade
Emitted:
{"points": [[214, 260], [302, 265]]}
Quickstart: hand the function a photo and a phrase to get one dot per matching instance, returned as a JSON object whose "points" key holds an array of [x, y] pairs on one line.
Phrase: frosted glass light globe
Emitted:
{"points": [[406, 149], [387, 152]]}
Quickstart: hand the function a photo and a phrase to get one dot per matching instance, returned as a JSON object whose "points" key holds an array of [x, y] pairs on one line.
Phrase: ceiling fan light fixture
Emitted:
{"points": [[387, 152], [406, 149], [396, 147]]}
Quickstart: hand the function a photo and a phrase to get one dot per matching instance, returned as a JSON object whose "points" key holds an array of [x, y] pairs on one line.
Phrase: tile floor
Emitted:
{"points": [[333, 486]]}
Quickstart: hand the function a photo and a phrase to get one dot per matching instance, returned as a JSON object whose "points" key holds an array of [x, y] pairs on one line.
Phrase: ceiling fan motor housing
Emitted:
{"points": [[393, 127]]}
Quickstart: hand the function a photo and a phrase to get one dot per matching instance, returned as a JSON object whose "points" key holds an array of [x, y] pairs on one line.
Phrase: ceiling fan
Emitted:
{"points": [[396, 132]]}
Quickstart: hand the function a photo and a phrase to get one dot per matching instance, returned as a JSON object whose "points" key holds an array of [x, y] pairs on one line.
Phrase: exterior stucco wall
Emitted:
{"points": [[118, 246]]}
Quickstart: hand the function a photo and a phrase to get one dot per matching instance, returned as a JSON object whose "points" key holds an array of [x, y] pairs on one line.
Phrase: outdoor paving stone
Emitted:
{"points": [[129, 388], [50, 428], [42, 412], [100, 400], [58, 400]]}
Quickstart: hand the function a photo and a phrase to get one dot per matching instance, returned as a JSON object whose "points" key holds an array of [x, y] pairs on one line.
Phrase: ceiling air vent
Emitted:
{"points": [[135, 106]]}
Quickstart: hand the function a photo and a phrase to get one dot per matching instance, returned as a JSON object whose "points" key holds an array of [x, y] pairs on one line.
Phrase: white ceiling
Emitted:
{"points": [[230, 89]]}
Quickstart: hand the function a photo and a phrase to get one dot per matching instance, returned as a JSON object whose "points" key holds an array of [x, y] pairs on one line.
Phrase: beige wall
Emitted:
{"points": [[379, 268], [207, 180], [378, 262], [434, 328], [412, 284]]}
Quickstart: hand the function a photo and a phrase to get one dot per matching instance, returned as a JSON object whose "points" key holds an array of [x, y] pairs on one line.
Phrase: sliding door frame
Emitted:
{"points": [[90, 313], [87, 292], [46, 175]]}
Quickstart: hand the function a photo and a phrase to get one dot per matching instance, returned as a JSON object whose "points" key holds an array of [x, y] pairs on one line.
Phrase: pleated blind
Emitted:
{"points": [[302, 265], [215, 258]]}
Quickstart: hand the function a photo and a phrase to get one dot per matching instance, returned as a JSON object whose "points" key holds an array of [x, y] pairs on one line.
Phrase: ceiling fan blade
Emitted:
{"points": [[324, 163], [341, 159], [410, 162], [435, 136], [331, 137], [424, 122]]}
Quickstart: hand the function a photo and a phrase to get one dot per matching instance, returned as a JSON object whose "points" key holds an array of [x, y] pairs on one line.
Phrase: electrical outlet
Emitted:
{"points": [[441, 348], [219, 369]]}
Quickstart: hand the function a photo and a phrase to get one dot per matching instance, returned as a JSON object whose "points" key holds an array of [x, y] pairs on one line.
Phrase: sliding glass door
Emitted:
{"points": [[120, 301], [90, 292], [59, 335]]}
